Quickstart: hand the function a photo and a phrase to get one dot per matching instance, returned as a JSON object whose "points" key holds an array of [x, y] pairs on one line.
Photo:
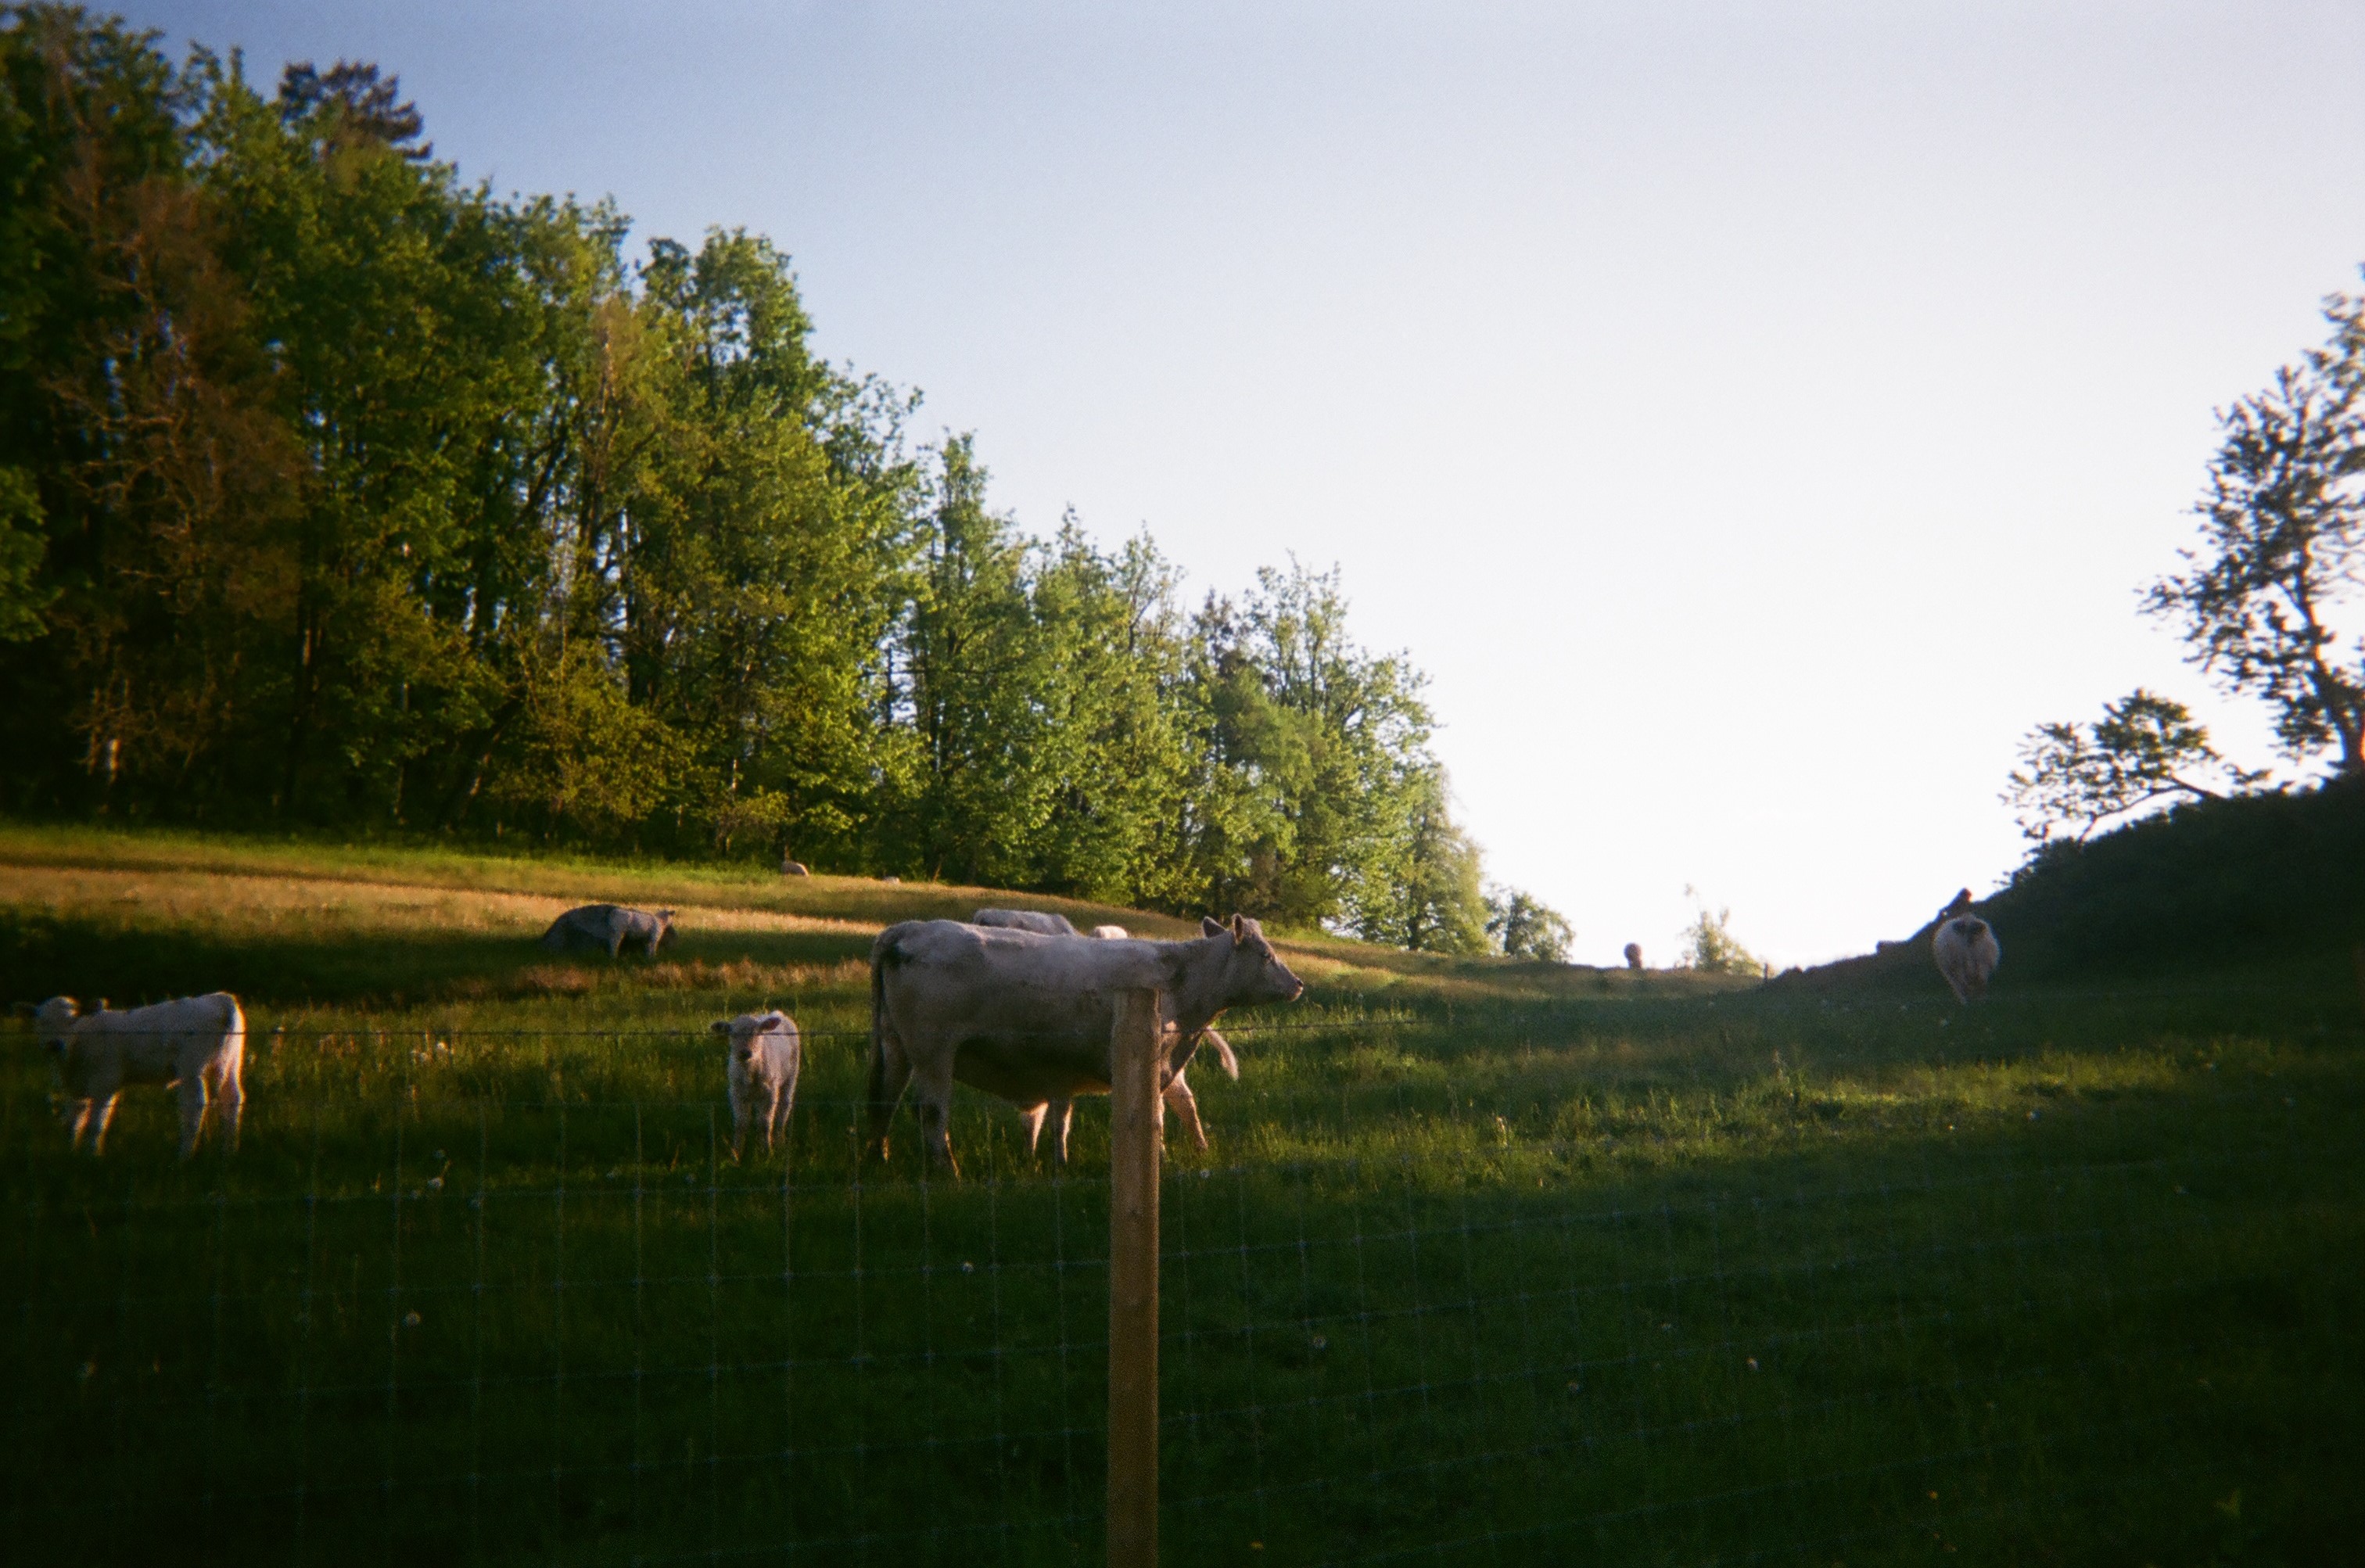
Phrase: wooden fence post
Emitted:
{"points": [[1135, 1129]]}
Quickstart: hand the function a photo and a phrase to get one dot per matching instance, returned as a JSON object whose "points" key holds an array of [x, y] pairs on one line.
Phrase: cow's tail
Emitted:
{"points": [[1231, 1064], [885, 1090]]}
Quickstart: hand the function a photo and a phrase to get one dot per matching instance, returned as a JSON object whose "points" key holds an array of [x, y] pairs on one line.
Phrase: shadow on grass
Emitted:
{"points": [[46, 955], [473, 1331]]}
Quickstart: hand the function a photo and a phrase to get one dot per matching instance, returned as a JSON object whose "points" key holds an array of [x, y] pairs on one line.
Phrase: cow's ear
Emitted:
{"points": [[1210, 926], [1240, 928], [720, 1026], [775, 1021]]}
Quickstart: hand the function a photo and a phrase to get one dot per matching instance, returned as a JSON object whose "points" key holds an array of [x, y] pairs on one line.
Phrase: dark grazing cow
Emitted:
{"points": [[1027, 1017], [608, 927]]}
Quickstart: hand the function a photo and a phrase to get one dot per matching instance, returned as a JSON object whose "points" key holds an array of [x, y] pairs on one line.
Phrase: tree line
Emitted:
{"points": [[2268, 604], [338, 493]]}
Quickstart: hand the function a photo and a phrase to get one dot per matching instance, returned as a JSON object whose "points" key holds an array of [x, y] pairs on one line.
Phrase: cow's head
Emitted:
{"points": [[53, 1020], [664, 939], [1253, 971], [742, 1031]]}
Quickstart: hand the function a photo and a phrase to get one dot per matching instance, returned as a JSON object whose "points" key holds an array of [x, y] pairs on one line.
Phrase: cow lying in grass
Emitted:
{"points": [[196, 1045], [1966, 951], [1041, 922], [1027, 1017], [766, 1053], [608, 927]]}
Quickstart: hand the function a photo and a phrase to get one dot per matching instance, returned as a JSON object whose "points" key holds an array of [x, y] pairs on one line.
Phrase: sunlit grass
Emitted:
{"points": [[1488, 1261]]}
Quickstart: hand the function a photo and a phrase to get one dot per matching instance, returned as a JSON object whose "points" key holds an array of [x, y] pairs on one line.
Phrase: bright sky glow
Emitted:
{"points": [[1753, 417]]}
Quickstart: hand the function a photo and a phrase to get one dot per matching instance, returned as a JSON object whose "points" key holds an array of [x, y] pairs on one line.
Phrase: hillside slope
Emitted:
{"points": [[2262, 882]]}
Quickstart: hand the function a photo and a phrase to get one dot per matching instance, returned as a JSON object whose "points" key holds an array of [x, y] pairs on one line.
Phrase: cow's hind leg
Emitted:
{"points": [[934, 1099], [1067, 1121], [76, 1123], [1031, 1118], [1185, 1106], [891, 1073]]}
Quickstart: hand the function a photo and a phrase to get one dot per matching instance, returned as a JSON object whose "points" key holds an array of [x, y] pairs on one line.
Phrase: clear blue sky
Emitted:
{"points": [[1753, 416]]}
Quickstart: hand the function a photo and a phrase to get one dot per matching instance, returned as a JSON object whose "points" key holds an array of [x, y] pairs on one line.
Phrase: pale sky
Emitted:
{"points": [[1753, 417]]}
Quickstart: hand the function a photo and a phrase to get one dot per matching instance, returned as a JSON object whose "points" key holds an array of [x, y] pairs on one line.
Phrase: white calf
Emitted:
{"points": [[1112, 932], [196, 1045], [766, 1053]]}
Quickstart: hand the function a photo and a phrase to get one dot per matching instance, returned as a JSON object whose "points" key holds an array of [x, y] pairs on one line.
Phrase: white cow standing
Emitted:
{"points": [[765, 1054], [1027, 1017], [1177, 1101], [197, 1044], [1966, 949]]}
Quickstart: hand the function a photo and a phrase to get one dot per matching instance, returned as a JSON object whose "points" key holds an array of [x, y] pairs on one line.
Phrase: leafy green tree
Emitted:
{"points": [[2144, 749], [1313, 769], [22, 544], [1524, 926], [2283, 537], [1711, 946]]}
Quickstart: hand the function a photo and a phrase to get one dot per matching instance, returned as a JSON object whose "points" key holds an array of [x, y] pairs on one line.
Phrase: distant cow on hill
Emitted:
{"points": [[609, 927], [1041, 922], [1112, 932], [1966, 950], [1027, 1017], [1633, 955], [197, 1044]]}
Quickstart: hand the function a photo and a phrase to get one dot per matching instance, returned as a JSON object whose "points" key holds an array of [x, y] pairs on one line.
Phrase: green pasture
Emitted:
{"points": [[1490, 1262]]}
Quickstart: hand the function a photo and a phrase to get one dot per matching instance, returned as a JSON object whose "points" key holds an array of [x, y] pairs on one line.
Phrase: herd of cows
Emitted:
{"points": [[1016, 1003]]}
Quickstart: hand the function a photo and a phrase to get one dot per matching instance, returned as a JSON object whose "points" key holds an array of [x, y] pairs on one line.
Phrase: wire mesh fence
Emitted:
{"points": [[1399, 1321]]}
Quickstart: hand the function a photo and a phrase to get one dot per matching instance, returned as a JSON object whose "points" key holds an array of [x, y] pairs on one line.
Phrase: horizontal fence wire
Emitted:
{"points": [[1401, 1321]]}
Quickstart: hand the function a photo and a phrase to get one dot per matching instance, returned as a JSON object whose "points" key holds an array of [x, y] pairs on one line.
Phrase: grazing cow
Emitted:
{"points": [[197, 1044], [1027, 1017], [1111, 933], [1041, 922], [792, 868], [608, 927], [765, 1052], [1964, 948], [1633, 955], [1177, 1099]]}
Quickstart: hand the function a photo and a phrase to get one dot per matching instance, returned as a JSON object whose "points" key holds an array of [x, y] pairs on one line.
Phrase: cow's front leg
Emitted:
{"points": [[742, 1111], [105, 1117], [76, 1122], [1067, 1121], [783, 1096], [193, 1111], [230, 1095], [1031, 1118]]}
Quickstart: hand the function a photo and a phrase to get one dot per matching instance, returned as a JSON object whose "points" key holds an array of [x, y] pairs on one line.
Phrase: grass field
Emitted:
{"points": [[1490, 1262]]}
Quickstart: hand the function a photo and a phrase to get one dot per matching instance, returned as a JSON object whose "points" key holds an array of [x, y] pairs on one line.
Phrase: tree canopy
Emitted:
{"points": [[339, 493]]}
